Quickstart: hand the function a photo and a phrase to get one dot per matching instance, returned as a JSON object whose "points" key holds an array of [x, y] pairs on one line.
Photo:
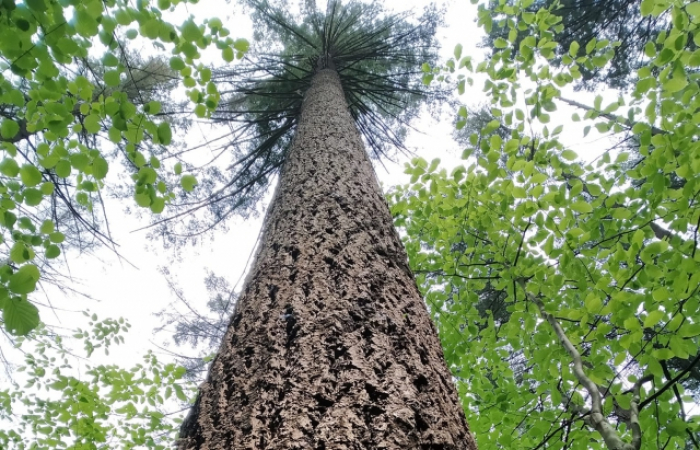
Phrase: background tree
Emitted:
{"points": [[261, 99], [202, 331]]}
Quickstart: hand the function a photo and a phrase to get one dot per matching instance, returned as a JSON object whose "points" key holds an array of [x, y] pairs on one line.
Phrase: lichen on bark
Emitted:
{"points": [[331, 346]]}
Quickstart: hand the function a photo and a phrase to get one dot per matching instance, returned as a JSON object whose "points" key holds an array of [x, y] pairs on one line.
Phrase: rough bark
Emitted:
{"points": [[331, 346]]}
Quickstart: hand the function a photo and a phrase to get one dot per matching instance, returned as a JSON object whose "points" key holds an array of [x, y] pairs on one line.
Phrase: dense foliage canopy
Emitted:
{"points": [[66, 119], [566, 286], [626, 22]]}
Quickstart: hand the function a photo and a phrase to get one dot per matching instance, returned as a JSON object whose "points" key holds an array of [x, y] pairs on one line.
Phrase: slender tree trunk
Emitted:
{"points": [[331, 346]]}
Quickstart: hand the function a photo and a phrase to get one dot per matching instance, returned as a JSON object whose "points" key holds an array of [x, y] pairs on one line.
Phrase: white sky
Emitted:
{"points": [[136, 293]]}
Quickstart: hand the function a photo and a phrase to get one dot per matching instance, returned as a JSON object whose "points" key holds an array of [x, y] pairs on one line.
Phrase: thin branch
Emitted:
{"points": [[596, 416]]}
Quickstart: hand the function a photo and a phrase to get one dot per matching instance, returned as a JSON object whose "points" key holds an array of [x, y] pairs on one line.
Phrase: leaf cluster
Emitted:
{"points": [[68, 112], [102, 407], [625, 22]]}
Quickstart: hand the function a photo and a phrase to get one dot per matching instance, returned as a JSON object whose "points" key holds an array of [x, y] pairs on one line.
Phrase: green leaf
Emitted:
{"points": [[33, 197], [153, 107], [227, 54], [177, 63], [9, 128], [242, 45], [569, 155], [663, 353], [24, 280], [205, 75], [30, 175], [675, 84], [114, 134], [47, 227], [9, 167], [593, 303], [500, 43], [143, 199], [519, 192], [164, 133], [85, 24], [36, 5], [689, 330], [100, 167], [178, 168], [188, 182], [631, 323], [47, 188], [158, 205], [574, 48], [92, 123], [693, 9], [151, 28], [109, 60], [20, 316], [79, 161], [190, 31], [458, 51], [653, 318], [581, 207], [179, 393], [53, 251], [57, 237], [539, 178], [652, 250], [63, 168], [112, 78], [20, 253], [660, 294]]}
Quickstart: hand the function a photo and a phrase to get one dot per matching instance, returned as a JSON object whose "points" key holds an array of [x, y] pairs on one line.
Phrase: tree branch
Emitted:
{"points": [[670, 383], [612, 117], [634, 412], [596, 417]]}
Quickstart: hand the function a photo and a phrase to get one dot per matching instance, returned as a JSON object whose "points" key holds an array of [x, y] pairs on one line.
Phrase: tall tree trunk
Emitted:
{"points": [[331, 346]]}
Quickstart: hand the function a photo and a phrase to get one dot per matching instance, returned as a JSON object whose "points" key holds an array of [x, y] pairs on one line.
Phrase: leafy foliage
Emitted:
{"points": [[566, 292], [622, 22], [105, 407], [62, 115]]}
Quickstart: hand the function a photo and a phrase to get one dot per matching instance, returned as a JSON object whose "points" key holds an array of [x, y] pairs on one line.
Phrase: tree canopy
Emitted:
{"points": [[565, 286], [377, 55], [74, 102]]}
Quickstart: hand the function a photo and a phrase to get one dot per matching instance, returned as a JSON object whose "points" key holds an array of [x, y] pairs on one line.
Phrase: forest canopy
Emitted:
{"points": [[564, 285]]}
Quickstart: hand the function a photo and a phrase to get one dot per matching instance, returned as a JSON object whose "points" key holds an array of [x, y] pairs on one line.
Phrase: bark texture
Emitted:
{"points": [[331, 346]]}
